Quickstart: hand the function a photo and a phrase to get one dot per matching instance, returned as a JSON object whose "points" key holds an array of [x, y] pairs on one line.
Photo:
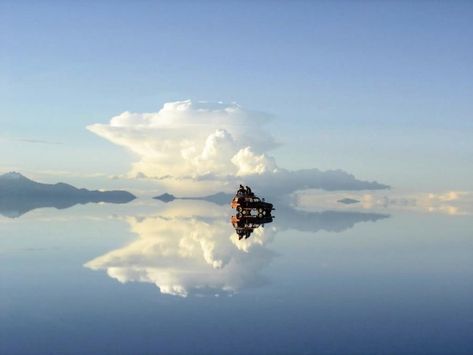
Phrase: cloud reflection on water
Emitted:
{"points": [[188, 255], [190, 248]]}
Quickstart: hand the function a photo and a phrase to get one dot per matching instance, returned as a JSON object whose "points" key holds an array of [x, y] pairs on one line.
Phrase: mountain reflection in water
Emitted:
{"points": [[187, 249]]}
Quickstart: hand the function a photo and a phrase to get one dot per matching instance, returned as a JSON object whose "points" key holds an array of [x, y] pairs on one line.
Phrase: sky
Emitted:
{"points": [[382, 90]]}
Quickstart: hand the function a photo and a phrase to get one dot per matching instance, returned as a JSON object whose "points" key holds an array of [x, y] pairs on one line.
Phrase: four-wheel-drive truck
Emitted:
{"points": [[246, 203]]}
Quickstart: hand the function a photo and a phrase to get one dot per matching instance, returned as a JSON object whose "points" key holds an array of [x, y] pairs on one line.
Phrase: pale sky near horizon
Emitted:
{"points": [[383, 90]]}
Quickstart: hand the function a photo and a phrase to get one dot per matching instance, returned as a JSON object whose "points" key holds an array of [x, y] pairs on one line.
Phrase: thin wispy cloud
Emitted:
{"points": [[30, 140], [38, 141]]}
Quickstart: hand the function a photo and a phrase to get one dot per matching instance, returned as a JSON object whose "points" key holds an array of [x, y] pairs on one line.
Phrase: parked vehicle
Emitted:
{"points": [[247, 203]]}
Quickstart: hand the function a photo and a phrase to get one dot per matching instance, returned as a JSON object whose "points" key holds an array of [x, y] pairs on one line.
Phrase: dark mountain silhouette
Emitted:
{"points": [[18, 195], [348, 201], [165, 197]]}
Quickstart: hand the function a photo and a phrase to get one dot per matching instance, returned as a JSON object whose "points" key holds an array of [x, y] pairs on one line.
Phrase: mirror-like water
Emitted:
{"points": [[150, 277]]}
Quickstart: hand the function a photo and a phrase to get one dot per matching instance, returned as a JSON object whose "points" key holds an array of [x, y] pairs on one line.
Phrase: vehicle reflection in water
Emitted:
{"points": [[252, 212], [245, 225]]}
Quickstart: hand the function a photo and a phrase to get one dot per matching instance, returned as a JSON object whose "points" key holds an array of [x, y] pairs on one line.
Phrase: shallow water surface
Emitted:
{"points": [[175, 278]]}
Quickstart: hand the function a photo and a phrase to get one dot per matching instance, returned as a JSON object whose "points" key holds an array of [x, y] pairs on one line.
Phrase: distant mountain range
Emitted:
{"points": [[348, 201], [220, 198], [18, 195]]}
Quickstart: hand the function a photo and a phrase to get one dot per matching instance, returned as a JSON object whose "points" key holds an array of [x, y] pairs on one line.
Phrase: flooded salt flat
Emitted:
{"points": [[150, 277]]}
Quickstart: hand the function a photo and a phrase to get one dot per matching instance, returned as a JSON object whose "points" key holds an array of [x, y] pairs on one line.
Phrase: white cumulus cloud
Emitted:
{"points": [[186, 139], [249, 163], [191, 147]]}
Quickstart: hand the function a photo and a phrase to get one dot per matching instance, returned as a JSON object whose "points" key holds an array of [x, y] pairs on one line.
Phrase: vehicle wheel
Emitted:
{"points": [[244, 212], [238, 215], [239, 208], [260, 215]]}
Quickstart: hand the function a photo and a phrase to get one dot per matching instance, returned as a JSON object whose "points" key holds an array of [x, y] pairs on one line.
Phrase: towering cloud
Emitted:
{"points": [[186, 139], [211, 146]]}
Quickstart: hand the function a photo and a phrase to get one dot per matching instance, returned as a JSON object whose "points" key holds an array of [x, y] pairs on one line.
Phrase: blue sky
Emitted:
{"points": [[383, 90]]}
